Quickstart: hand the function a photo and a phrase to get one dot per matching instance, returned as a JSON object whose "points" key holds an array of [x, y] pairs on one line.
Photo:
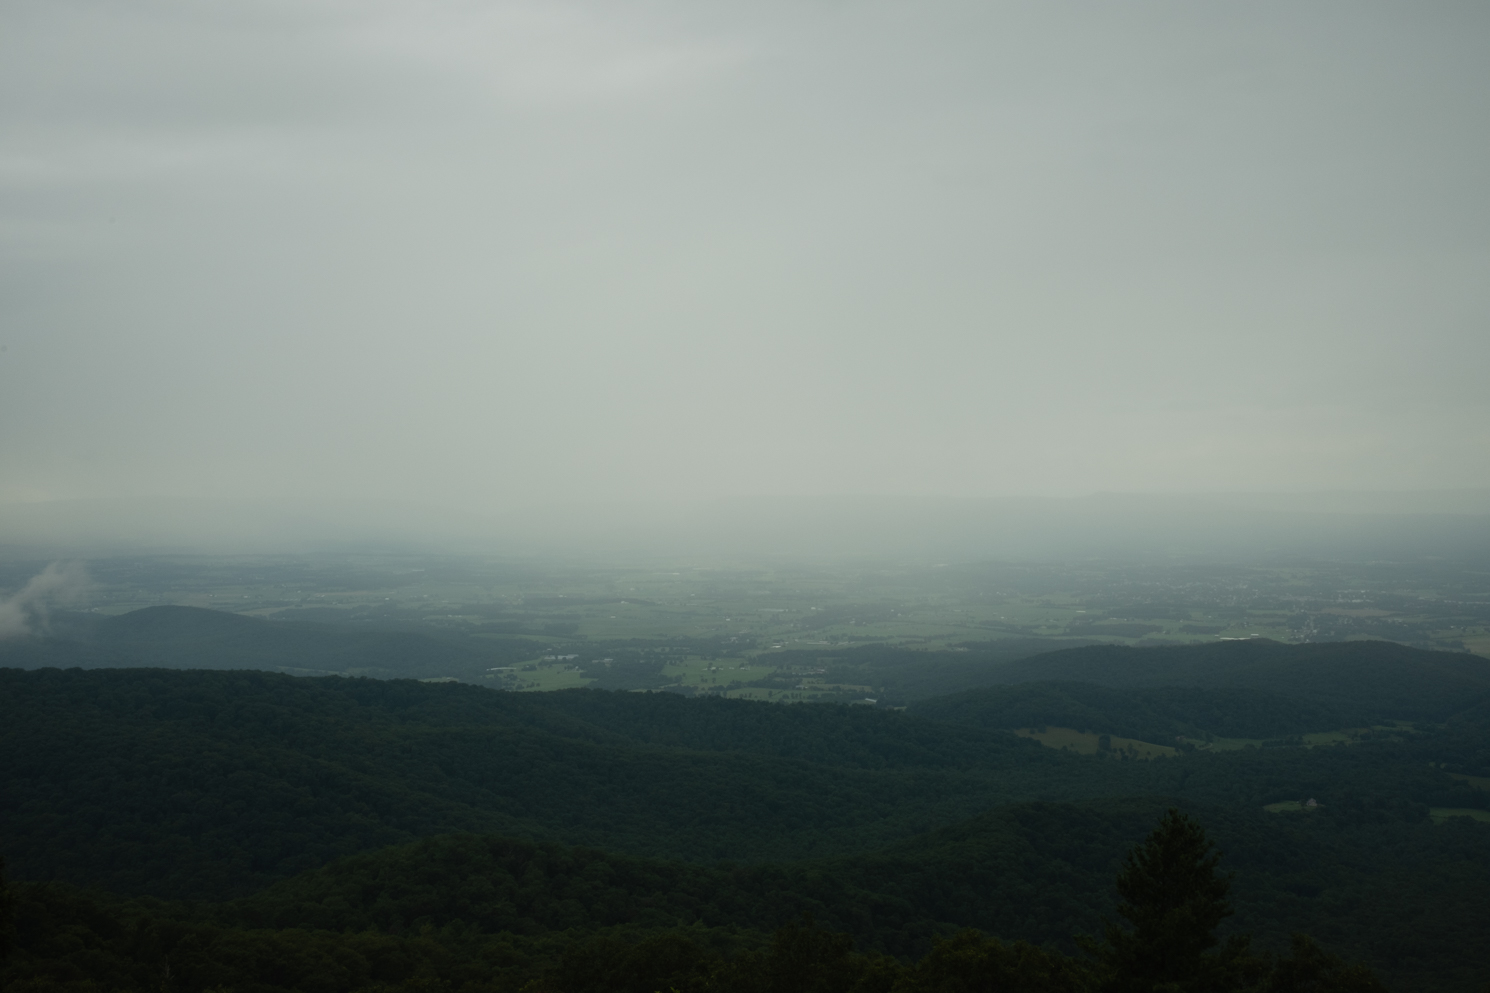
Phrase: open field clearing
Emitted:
{"points": [[1317, 739], [1478, 643], [538, 676], [1478, 782], [807, 692], [713, 673], [784, 696], [1087, 743], [1229, 744]]}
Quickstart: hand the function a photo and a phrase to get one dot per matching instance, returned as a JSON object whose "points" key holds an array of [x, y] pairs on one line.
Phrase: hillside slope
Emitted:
{"points": [[198, 784], [1040, 871], [1157, 714], [205, 783], [1382, 679], [178, 637]]}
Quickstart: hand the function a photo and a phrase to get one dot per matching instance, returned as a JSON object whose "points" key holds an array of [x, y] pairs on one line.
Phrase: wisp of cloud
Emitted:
{"points": [[26, 612]]}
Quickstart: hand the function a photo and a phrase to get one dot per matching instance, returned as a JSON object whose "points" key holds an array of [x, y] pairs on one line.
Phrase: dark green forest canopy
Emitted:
{"points": [[1037, 871], [1034, 871], [1382, 679], [1159, 714], [196, 783], [217, 781], [1378, 679], [724, 814]]}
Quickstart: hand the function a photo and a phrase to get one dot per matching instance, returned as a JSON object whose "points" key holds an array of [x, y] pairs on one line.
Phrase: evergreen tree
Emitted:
{"points": [[1173, 900]]}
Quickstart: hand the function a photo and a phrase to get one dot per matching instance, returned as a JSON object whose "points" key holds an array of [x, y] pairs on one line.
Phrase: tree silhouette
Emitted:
{"points": [[1173, 900]]}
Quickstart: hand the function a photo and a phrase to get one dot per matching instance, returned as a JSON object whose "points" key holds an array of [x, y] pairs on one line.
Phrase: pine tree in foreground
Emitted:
{"points": [[1174, 899]]}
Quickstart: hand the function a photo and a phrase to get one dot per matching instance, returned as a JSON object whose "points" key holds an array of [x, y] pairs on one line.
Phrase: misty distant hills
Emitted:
{"points": [[177, 637], [1380, 680], [1346, 683], [1359, 680]]}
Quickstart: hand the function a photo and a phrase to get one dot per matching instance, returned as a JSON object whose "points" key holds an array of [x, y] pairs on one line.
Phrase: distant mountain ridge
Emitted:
{"points": [[1360, 680], [1383, 679], [179, 637]]}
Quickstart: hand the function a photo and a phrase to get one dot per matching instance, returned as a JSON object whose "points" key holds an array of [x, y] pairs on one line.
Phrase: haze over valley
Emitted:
{"points": [[502, 496]]}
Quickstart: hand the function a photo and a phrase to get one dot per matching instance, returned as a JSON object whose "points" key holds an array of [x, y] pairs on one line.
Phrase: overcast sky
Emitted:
{"points": [[501, 252]]}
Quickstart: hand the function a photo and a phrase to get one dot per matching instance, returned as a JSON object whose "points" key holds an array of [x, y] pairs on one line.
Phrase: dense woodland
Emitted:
{"points": [[194, 829], [545, 938]]}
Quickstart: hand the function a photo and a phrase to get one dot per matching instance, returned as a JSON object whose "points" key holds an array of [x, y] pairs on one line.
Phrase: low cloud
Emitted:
{"points": [[27, 611]]}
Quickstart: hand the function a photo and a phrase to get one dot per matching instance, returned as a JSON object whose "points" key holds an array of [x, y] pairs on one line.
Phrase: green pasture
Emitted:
{"points": [[783, 696], [541, 676], [1478, 643], [1478, 782], [1229, 744], [1088, 743], [756, 693], [1317, 739], [714, 673]]}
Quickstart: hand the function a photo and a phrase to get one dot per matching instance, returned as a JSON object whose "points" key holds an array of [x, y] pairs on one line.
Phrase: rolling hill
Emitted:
{"points": [[196, 638], [1380, 679], [328, 806]]}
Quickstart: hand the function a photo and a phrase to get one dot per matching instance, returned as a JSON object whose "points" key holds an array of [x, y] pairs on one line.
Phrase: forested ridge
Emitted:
{"points": [[510, 827], [1156, 714], [192, 637], [542, 918], [1380, 678]]}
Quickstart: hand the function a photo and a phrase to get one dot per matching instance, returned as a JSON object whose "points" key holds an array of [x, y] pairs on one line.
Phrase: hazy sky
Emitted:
{"points": [[496, 252]]}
